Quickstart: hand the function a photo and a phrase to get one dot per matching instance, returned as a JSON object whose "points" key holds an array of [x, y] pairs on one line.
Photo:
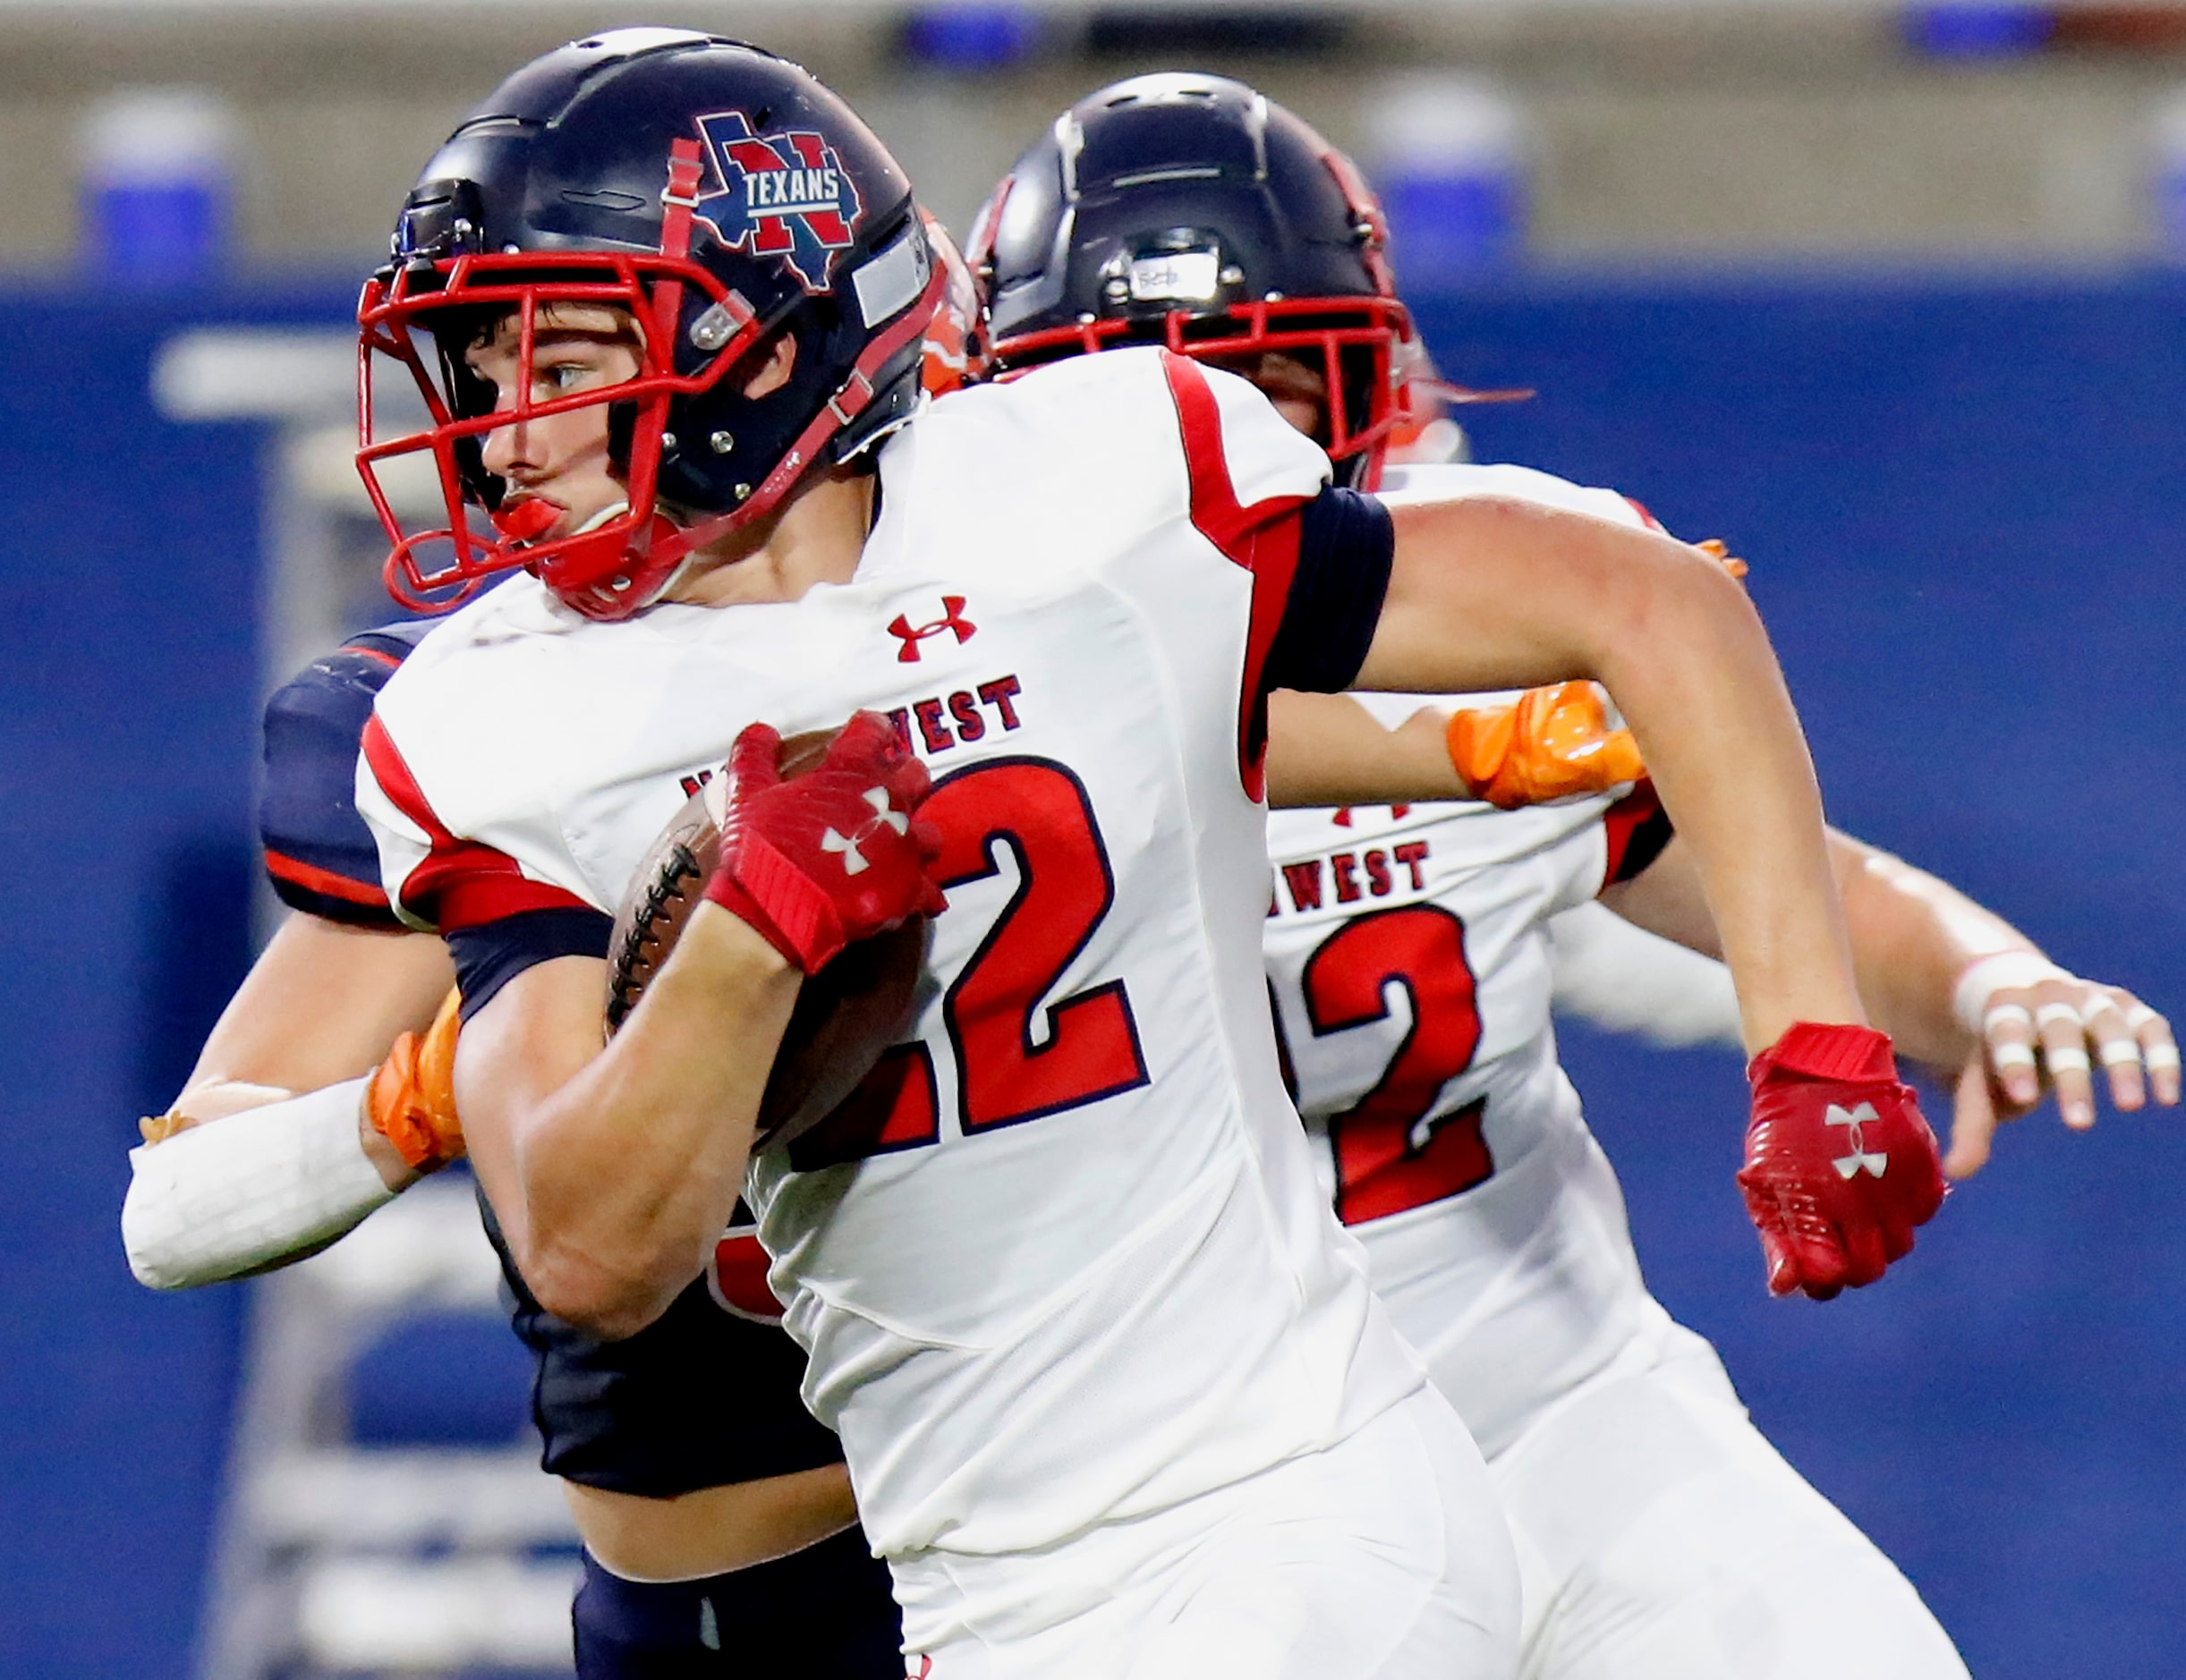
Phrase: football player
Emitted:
{"points": [[717, 1517], [686, 1450], [1068, 1293], [1658, 1534]]}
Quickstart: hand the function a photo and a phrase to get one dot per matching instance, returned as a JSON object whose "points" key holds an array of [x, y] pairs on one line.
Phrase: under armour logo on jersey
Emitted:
{"points": [[854, 861], [781, 195], [1874, 1161], [952, 618]]}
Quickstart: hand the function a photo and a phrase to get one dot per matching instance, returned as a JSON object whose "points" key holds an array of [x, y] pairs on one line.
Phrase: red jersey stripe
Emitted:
{"points": [[311, 877], [462, 883], [1262, 538]]}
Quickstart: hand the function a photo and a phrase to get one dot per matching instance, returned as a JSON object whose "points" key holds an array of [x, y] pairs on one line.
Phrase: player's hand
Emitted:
{"points": [[410, 1100], [832, 856], [1550, 743], [1840, 1165], [214, 1101], [2041, 1028]]}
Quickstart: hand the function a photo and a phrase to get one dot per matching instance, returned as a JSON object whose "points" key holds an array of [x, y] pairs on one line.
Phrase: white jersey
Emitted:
{"points": [[1409, 955], [1068, 1261]]}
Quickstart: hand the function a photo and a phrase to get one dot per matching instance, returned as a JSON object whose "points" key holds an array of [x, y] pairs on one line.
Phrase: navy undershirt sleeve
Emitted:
{"points": [[1347, 544], [494, 953], [320, 855]]}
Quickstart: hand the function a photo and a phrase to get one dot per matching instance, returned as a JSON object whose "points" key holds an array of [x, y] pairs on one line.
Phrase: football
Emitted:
{"points": [[846, 1015]]}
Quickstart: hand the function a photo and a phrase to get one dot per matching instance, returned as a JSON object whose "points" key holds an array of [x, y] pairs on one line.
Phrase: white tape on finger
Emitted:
{"points": [[2002, 1056], [235, 1194], [2049, 1014], [2068, 1060], [2140, 1015], [2118, 1052], [2161, 1059], [1998, 1012], [2006, 971]]}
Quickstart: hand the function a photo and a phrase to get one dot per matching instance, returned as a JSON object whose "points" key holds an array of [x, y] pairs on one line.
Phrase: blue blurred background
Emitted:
{"points": [[1959, 485]]}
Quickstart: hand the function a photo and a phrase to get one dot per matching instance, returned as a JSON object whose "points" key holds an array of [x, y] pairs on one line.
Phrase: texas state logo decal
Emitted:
{"points": [[782, 195]]}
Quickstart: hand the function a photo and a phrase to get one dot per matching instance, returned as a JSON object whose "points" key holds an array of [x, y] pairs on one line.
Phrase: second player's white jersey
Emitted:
{"points": [[1064, 1261], [1409, 953]]}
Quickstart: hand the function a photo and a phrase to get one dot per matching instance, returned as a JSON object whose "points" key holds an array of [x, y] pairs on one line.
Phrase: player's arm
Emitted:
{"points": [[1547, 743], [307, 1144], [320, 1006], [613, 1171], [1959, 989], [1488, 593], [305, 1112], [1329, 749]]}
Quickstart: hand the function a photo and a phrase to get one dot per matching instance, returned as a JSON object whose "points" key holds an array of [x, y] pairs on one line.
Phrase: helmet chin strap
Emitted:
{"points": [[667, 553]]}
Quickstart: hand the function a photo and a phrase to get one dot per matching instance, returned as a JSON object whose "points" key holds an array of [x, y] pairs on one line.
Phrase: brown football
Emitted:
{"points": [[864, 1001]]}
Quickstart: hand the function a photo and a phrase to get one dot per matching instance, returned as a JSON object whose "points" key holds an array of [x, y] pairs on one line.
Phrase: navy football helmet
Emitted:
{"points": [[722, 198], [1191, 210]]}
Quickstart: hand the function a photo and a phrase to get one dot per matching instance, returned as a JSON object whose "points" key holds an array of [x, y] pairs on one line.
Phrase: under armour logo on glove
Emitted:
{"points": [[854, 859], [952, 619], [832, 856], [1859, 1158], [1840, 1165]]}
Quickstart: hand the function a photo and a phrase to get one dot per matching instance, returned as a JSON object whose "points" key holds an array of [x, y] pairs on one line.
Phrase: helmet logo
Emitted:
{"points": [[781, 195]]}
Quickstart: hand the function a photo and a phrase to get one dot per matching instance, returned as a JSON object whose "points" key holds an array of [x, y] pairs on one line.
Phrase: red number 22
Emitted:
{"points": [[1036, 812]]}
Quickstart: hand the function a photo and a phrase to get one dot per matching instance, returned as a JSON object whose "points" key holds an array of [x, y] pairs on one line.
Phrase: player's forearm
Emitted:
{"points": [[614, 1172], [321, 1004], [251, 1189], [1913, 937], [1488, 595], [1730, 764], [1329, 749]]}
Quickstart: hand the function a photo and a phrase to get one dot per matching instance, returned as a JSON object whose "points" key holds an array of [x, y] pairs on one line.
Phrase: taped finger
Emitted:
{"points": [[2055, 1014], [2066, 1059], [2005, 1057], [2000, 1013], [2120, 1053]]}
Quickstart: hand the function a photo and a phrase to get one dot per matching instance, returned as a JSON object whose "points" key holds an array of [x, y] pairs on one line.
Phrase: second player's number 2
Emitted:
{"points": [[1390, 1155]]}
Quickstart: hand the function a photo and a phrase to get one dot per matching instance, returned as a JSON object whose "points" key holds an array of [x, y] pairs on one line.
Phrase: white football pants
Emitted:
{"points": [[1659, 1537], [1381, 1559]]}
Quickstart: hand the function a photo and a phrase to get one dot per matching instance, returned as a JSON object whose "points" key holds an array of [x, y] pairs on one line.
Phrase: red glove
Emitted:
{"points": [[1840, 1165], [829, 856]]}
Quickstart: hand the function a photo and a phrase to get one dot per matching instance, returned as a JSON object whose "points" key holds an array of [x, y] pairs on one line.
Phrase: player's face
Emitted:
{"points": [[1300, 393], [560, 459]]}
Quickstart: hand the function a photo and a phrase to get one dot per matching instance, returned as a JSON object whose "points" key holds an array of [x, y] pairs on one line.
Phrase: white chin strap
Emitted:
{"points": [[236, 1194], [613, 511], [618, 509]]}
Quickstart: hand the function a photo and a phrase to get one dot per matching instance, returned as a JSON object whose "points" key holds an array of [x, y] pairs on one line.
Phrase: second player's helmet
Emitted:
{"points": [[721, 197], [1191, 210]]}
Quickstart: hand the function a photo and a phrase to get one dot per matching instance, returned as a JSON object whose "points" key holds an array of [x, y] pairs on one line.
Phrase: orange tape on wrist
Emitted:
{"points": [[411, 1099], [1551, 743]]}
